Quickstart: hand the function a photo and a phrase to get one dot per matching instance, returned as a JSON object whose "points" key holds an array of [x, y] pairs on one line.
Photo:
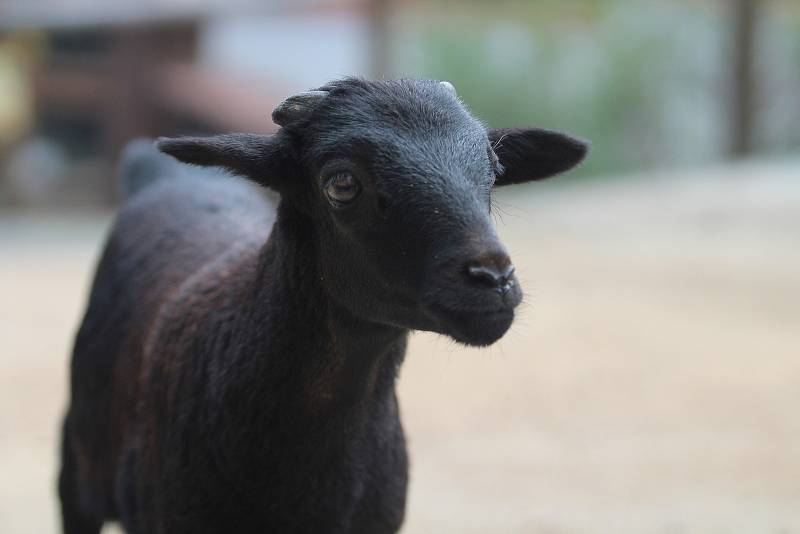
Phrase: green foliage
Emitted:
{"points": [[644, 81]]}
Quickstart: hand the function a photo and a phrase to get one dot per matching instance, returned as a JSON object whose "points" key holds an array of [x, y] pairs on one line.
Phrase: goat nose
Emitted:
{"points": [[493, 274]]}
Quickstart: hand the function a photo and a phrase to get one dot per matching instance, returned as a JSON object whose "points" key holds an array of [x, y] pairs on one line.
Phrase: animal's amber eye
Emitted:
{"points": [[342, 188]]}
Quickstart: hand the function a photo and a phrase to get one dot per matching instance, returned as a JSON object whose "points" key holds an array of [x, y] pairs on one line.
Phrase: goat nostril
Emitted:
{"points": [[491, 276], [482, 274], [508, 272]]}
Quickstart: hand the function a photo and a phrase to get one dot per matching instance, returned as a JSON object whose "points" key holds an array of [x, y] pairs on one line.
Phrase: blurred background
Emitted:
{"points": [[652, 381]]}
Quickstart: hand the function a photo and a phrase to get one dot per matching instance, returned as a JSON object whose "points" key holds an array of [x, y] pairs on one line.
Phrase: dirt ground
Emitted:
{"points": [[651, 383]]}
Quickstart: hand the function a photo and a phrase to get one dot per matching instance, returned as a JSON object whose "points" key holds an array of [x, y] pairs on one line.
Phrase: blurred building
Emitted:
{"points": [[100, 73]]}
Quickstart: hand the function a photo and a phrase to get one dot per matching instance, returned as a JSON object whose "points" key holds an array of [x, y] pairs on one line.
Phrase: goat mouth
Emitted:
{"points": [[475, 327]]}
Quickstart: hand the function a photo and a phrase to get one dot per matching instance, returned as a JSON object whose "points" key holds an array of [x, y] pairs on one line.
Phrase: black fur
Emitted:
{"points": [[235, 375]]}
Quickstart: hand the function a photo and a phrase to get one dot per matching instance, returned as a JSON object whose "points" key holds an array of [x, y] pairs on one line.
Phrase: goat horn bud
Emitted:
{"points": [[449, 86], [297, 107]]}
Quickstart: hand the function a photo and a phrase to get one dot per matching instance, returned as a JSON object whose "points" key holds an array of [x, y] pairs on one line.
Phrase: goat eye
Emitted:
{"points": [[341, 188]]}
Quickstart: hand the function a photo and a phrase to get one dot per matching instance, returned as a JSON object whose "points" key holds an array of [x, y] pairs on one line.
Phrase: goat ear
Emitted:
{"points": [[534, 154], [262, 158]]}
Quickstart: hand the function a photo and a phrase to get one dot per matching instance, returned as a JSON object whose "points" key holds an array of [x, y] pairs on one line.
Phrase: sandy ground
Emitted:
{"points": [[651, 384]]}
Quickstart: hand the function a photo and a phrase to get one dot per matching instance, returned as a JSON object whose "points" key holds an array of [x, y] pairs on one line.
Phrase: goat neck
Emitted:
{"points": [[348, 358]]}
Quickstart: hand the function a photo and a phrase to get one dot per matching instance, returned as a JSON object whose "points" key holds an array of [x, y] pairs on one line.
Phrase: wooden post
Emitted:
{"points": [[745, 19], [379, 37]]}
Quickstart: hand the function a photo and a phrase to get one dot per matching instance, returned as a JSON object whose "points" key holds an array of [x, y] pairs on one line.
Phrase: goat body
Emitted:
{"points": [[235, 369], [260, 438]]}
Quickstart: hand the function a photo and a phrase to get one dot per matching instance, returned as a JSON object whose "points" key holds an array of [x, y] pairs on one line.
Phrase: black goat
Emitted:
{"points": [[235, 375]]}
